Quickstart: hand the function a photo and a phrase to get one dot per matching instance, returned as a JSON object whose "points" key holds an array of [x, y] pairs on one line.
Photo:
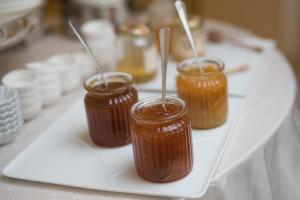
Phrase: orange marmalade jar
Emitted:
{"points": [[108, 107], [161, 139], [205, 93]]}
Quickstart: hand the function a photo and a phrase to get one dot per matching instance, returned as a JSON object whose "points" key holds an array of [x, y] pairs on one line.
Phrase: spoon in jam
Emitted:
{"points": [[88, 49], [164, 38], [182, 13]]}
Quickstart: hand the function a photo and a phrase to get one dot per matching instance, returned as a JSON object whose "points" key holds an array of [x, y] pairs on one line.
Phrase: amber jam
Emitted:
{"points": [[204, 92], [108, 107], [161, 139]]}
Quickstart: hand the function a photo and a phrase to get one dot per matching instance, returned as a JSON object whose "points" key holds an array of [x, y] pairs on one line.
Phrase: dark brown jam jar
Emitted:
{"points": [[107, 108], [161, 139]]}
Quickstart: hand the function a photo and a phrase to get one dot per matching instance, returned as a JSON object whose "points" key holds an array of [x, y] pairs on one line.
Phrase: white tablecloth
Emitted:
{"points": [[260, 163]]}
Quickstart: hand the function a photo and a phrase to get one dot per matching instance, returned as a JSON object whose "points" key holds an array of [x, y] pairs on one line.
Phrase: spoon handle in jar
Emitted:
{"points": [[182, 13], [164, 37], [88, 49]]}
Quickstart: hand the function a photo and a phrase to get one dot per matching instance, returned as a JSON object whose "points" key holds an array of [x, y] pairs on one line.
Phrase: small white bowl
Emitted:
{"points": [[63, 58], [87, 67], [69, 71], [98, 29], [29, 101], [70, 77], [40, 67], [30, 94], [23, 80], [50, 98]]}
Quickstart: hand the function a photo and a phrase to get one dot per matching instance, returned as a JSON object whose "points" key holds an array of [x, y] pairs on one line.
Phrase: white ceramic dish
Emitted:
{"points": [[40, 67], [87, 67], [27, 102], [63, 58], [69, 71], [98, 29], [22, 80], [51, 88], [50, 96], [66, 156]]}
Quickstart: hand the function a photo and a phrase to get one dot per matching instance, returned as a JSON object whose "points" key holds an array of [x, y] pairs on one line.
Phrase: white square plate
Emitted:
{"points": [[65, 155]]}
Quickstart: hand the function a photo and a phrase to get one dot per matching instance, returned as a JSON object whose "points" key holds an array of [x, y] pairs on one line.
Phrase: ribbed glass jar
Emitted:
{"points": [[161, 139], [204, 93], [108, 107]]}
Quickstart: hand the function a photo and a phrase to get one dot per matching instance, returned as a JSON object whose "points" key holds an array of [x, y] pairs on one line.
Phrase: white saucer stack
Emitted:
{"points": [[49, 81], [68, 69], [10, 114]]}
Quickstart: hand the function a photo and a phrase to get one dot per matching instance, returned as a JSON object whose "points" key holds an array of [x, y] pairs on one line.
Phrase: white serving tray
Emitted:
{"points": [[65, 155]]}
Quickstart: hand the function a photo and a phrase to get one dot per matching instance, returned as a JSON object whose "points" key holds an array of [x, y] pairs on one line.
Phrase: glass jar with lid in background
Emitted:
{"points": [[205, 93], [181, 48], [137, 53], [108, 107]]}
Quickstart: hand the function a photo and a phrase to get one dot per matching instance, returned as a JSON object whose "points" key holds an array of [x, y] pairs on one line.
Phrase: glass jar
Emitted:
{"points": [[181, 48], [161, 139], [137, 53], [108, 107], [205, 93]]}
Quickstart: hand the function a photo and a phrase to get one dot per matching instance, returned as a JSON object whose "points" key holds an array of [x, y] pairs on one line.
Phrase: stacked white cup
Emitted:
{"points": [[49, 81], [68, 69], [27, 84], [101, 37], [87, 68]]}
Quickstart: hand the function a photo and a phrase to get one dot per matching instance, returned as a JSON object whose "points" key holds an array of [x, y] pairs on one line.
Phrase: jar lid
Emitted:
{"points": [[134, 28], [211, 66], [115, 82], [151, 111]]}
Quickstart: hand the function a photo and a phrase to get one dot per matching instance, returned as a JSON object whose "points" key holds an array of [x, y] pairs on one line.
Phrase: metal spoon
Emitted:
{"points": [[164, 38], [87, 48], [182, 12], [238, 69]]}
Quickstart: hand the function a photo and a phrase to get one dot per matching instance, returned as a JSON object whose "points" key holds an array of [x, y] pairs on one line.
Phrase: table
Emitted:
{"points": [[260, 162]]}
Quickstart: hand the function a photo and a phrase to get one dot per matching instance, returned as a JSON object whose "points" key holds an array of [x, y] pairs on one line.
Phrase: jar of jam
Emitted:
{"points": [[108, 107], [205, 92], [161, 139], [137, 54]]}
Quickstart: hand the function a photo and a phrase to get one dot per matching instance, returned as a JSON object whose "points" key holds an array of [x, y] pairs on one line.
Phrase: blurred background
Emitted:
{"points": [[276, 19]]}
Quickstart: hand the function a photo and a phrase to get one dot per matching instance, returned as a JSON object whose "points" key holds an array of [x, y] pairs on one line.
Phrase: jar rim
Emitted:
{"points": [[220, 66], [95, 80], [151, 100]]}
